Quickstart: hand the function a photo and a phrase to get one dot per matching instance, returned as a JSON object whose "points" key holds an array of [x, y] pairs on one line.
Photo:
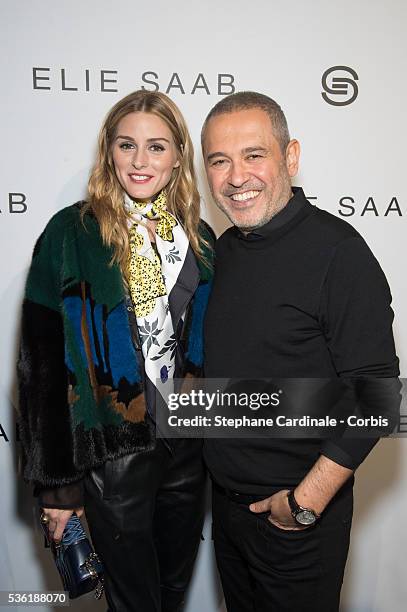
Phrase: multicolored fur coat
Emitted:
{"points": [[80, 378]]}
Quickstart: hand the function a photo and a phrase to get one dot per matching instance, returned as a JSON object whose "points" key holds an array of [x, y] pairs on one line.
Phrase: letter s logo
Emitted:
{"points": [[340, 86]]}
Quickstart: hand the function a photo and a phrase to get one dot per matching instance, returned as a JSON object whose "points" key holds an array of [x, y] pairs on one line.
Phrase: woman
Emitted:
{"points": [[115, 300]]}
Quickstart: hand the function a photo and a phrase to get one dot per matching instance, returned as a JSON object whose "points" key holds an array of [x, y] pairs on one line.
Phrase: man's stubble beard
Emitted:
{"points": [[270, 210]]}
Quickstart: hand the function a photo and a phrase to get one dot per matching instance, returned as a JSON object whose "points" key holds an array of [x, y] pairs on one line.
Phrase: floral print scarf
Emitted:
{"points": [[152, 271]]}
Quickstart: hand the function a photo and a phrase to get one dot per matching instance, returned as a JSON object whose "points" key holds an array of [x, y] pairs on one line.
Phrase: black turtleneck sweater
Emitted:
{"points": [[302, 296]]}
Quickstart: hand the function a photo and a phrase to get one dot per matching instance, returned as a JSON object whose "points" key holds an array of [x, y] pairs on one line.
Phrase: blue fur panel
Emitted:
{"points": [[195, 342]]}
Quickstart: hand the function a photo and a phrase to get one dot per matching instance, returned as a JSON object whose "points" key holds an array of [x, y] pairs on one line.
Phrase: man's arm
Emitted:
{"points": [[321, 483], [356, 318], [315, 491]]}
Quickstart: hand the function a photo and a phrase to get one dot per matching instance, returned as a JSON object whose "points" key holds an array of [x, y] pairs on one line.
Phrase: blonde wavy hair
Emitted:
{"points": [[106, 194]]}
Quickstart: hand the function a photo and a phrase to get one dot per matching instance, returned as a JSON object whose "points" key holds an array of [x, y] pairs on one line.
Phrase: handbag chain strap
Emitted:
{"points": [[90, 568]]}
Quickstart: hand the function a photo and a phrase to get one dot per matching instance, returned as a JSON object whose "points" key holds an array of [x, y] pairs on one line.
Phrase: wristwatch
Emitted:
{"points": [[302, 516]]}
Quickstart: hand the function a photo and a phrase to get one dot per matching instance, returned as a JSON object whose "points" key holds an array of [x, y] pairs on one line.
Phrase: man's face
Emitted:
{"points": [[249, 176]]}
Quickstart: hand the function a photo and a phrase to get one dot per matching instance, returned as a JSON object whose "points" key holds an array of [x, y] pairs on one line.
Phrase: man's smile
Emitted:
{"points": [[244, 196]]}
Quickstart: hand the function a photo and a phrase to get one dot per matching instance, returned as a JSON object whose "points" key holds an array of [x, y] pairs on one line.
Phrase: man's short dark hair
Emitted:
{"points": [[245, 100]]}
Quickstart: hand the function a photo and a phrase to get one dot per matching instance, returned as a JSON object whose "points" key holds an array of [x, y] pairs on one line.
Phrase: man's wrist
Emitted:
{"points": [[307, 501], [304, 515]]}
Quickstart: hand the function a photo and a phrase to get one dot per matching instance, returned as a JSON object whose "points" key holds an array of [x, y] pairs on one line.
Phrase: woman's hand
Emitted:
{"points": [[57, 520]]}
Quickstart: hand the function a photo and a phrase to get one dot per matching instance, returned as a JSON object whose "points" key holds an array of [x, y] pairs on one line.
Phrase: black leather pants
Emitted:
{"points": [[145, 514]]}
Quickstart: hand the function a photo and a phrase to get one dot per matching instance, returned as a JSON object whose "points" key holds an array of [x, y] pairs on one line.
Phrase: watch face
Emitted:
{"points": [[305, 517]]}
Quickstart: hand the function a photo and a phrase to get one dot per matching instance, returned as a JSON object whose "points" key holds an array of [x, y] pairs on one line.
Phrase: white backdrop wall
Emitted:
{"points": [[64, 64]]}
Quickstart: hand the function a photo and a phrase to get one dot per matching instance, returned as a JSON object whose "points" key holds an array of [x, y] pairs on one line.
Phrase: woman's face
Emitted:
{"points": [[144, 155]]}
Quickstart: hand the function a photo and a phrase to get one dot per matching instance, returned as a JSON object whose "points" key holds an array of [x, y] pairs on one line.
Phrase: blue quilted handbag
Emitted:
{"points": [[79, 566]]}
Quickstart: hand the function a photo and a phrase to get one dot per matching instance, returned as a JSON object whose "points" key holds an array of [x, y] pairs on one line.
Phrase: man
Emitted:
{"points": [[297, 293]]}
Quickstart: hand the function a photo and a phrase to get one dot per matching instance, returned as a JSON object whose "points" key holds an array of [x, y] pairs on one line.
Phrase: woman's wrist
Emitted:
{"points": [[66, 497]]}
